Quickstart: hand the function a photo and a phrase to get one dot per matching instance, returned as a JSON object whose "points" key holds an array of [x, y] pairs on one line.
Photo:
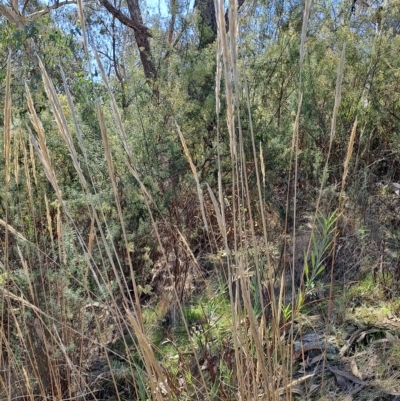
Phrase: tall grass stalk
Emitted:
{"points": [[7, 122]]}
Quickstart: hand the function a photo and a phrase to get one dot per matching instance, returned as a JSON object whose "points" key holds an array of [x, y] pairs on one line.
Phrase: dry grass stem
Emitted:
{"points": [[195, 176], [7, 122]]}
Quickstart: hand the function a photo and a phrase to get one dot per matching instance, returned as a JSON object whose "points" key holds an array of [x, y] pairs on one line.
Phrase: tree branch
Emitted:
{"points": [[171, 29], [185, 26], [10, 15], [56, 5], [24, 7], [124, 19], [19, 20]]}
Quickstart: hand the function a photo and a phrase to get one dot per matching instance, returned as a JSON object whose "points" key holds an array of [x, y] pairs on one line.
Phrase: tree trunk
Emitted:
{"points": [[142, 40], [208, 22], [141, 32]]}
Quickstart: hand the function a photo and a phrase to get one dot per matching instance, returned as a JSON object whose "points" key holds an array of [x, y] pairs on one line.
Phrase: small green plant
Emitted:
{"points": [[287, 312], [322, 241]]}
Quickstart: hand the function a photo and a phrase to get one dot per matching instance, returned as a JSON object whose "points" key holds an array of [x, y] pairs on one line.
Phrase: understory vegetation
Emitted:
{"points": [[200, 201]]}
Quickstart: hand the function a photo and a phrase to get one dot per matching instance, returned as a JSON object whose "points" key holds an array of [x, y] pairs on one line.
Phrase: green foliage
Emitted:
{"points": [[321, 249]]}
